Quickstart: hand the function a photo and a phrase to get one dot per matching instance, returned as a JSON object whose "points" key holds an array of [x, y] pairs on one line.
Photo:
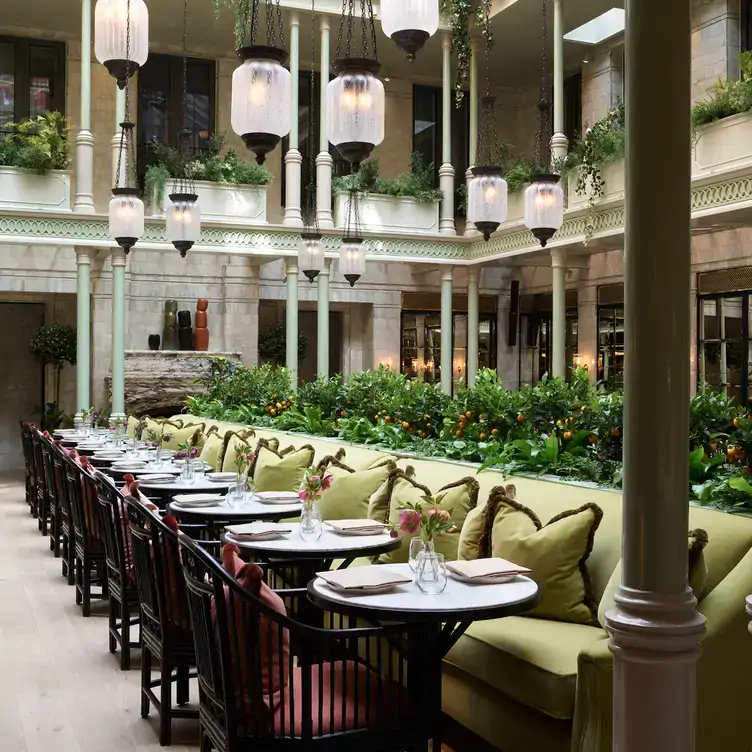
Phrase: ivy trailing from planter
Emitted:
{"points": [[39, 143], [417, 184], [209, 164]]}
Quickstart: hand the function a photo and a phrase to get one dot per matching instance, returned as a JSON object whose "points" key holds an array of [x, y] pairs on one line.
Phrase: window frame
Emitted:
{"points": [[22, 74], [745, 24], [618, 381]]}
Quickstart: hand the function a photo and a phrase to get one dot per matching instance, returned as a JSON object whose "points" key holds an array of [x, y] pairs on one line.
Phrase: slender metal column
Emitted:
{"points": [[655, 628], [291, 350], [117, 259], [83, 331], [446, 171], [473, 135], [324, 161], [322, 321], [559, 318], [447, 354], [83, 202], [472, 324], [559, 142], [293, 158]]}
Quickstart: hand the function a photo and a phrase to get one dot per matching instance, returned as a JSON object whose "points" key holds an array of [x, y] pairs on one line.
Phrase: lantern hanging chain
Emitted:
{"points": [[183, 184], [543, 144], [254, 21], [373, 30], [487, 138], [311, 219], [126, 140]]}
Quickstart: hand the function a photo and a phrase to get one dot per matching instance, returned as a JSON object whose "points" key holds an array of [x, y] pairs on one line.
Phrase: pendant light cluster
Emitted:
{"points": [[126, 210], [261, 110], [311, 251], [352, 253], [487, 193], [355, 98], [544, 198], [183, 212], [121, 37], [409, 23]]}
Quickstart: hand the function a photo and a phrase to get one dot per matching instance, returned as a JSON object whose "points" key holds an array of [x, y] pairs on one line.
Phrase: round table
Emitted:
{"points": [[223, 514], [162, 490], [438, 621]]}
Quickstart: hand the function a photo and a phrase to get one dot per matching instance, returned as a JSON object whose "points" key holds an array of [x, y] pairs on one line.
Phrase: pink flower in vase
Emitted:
{"points": [[326, 482], [409, 521], [303, 495], [442, 514]]}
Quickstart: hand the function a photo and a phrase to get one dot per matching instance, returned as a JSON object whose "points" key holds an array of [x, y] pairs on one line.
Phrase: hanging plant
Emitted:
{"points": [[242, 9], [459, 13]]}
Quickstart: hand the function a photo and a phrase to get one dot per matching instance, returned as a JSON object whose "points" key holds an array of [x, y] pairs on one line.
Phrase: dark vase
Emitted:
{"points": [[184, 318], [154, 341], [170, 332], [185, 338]]}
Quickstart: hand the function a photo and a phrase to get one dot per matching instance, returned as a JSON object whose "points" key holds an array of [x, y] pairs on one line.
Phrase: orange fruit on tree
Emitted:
{"points": [[520, 418], [567, 435], [482, 437], [737, 423], [469, 414], [405, 425], [615, 432], [458, 434], [495, 432], [593, 439]]}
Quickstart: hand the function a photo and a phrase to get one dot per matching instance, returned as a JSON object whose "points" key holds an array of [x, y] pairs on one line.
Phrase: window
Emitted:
{"points": [[573, 107], [32, 78], [724, 343], [427, 134], [161, 115], [611, 346], [746, 24], [421, 355]]}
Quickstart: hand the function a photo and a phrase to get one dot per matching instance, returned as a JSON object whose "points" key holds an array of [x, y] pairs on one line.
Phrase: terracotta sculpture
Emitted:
{"points": [[201, 333]]}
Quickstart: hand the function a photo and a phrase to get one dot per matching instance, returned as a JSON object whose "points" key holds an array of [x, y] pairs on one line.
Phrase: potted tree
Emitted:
{"points": [[34, 161], [228, 188], [408, 203], [55, 346]]}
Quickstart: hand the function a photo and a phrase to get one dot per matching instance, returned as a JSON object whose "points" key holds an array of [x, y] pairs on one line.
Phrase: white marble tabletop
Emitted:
{"points": [[249, 509], [201, 483]]}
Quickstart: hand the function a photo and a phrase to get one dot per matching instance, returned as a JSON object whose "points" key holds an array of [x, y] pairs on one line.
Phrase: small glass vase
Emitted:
{"points": [[187, 473], [237, 493], [198, 467], [311, 526], [158, 456], [430, 571], [117, 436]]}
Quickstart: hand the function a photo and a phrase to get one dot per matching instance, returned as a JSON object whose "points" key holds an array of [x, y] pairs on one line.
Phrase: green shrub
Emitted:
{"points": [[39, 143]]}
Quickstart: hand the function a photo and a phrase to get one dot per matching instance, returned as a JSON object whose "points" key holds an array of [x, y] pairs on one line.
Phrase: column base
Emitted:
{"points": [[324, 169], [655, 639], [446, 215], [293, 177], [470, 228], [559, 146], [83, 203], [117, 416]]}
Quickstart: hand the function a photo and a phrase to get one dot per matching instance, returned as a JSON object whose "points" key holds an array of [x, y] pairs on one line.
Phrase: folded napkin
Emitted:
{"points": [[357, 525], [486, 568], [196, 503], [256, 530], [289, 497], [363, 578]]}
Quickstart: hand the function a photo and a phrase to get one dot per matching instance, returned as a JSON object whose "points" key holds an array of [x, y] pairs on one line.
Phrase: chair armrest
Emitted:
{"points": [[592, 724]]}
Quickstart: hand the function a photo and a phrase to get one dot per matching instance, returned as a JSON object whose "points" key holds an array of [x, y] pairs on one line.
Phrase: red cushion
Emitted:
{"points": [[59, 445], [177, 596]]}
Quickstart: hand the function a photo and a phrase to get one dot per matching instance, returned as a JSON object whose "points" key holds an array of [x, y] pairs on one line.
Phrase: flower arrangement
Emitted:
{"points": [[138, 432], [152, 439], [313, 486], [87, 413], [244, 457], [424, 518], [115, 424], [187, 451], [166, 438]]}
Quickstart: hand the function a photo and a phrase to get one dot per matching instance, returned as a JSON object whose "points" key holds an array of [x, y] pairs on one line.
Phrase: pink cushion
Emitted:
{"points": [[59, 445], [179, 615]]}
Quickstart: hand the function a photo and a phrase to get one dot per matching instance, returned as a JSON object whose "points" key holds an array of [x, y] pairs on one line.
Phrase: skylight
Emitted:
{"points": [[602, 27]]}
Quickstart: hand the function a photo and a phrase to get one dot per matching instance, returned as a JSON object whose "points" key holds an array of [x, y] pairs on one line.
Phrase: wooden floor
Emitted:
{"points": [[60, 688]]}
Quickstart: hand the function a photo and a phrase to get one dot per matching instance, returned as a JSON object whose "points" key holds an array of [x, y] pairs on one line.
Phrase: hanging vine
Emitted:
{"points": [[242, 10]]}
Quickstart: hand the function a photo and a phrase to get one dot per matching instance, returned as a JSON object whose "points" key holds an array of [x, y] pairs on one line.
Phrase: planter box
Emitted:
{"points": [[394, 214], [516, 205], [613, 190], [23, 189], [224, 202], [723, 145]]}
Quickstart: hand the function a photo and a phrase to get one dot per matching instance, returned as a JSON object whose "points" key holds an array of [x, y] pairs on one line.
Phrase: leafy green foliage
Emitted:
{"points": [[726, 98], [166, 162], [54, 344], [418, 183], [710, 415], [39, 143], [273, 344]]}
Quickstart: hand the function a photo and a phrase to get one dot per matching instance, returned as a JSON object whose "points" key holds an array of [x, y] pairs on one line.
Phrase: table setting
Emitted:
{"points": [[250, 506]]}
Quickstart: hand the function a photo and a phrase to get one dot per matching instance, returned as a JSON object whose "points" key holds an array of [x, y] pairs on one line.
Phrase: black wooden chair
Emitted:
{"points": [[28, 454], [88, 536], [166, 632], [53, 493], [326, 689], [63, 534], [121, 577], [39, 508]]}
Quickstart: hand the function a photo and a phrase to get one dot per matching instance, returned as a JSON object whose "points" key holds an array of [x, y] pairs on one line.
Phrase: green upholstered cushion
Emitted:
{"points": [[697, 570], [459, 498], [281, 471], [232, 440], [178, 436], [347, 497], [533, 661], [211, 450], [131, 427], [556, 553]]}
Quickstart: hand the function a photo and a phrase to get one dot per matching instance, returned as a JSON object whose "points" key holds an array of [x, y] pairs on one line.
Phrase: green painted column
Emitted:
{"points": [[83, 331], [117, 258], [83, 202], [559, 314], [291, 318], [559, 141], [475, 50], [322, 320], [293, 158], [447, 354], [472, 324], [324, 161], [446, 171], [655, 628]]}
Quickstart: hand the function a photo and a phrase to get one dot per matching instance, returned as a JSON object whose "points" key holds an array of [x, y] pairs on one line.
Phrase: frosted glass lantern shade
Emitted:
{"points": [[356, 107], [544, 207], [409, 23], [487, 200], [261, 109], [111, 34], [311, 255], [126, 215], [183, 221], [352, 259]]}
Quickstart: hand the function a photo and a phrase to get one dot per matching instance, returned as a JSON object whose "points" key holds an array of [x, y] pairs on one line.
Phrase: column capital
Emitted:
{"points": [[117, 257], [446, 171], [324, 158], [324, 24], [294, 19], [447, 273], [446, 41], [473, 273], [291, 267], [327, 268], [294, 156], [83, 256], [558, 258]]}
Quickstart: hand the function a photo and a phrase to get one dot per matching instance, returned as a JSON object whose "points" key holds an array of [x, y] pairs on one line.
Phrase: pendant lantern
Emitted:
{"points": [[355, 98], [544, 197], [121, 36], [183, 212], [352, 253], [261, 107], [409, 23]]}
